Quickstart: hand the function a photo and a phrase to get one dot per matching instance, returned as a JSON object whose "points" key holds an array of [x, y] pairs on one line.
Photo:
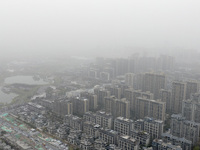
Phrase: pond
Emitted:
{"points": [[6, 98], [24, 80]]}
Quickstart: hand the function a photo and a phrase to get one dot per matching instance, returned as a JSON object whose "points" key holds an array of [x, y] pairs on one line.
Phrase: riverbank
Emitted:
{"points": [[18, 88]]}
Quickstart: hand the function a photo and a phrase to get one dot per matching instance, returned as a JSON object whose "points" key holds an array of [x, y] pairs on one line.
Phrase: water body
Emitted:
{"points": [[6, 98], [24, 80]]}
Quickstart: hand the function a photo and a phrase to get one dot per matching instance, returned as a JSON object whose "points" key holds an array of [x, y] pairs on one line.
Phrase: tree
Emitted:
{"points": [[196, 148], [3, 132]]}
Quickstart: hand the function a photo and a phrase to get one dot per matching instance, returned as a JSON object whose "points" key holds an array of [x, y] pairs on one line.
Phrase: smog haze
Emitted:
{"points": [[98, 28]]}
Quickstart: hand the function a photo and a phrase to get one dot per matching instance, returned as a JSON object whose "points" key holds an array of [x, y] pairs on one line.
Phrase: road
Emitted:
{"points": [[33, 136]]}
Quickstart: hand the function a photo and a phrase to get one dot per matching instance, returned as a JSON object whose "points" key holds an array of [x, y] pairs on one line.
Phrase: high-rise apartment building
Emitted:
{"points": [[101, 94], [121, 66], [109, 104], [131, 95], [80, 105], [188, 108], [157, 110], [191, 110], [153, 83], [92, 100], [142, 107], [129, 79], [62, 107], [146, 64], [122, 108], [117, 107], [178, 95], [93, 73], [165, 96], [105, 76], [138, 81], [177, 125], [191, 88], [167, 62], [150, 108], [132, 65], [115, 91]]}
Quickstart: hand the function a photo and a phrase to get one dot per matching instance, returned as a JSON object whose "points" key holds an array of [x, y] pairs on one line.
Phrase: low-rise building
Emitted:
{"points": [[182, 142], [91, 129], [99, 144], [142, 136], [63, 131], [128, 143], [35, 107], [74, 122], [108, 136], [89, 116], [104, 119], [46, 103], [151, 126], [123, 125], [73, 139], [181, 127], [86, 145], [160, 145]]}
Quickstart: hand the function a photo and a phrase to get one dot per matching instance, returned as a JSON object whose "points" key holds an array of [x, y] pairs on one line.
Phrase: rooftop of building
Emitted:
{"points": [[148, 119], [169, 145], [128, 138], [35, 105], [103, 113], [82, 98], [124, 119], [109, 131], [178, 116], [140, 132], [183, 140]]}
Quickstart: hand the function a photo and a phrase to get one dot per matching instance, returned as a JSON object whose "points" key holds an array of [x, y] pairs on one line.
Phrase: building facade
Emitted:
{"points": [[165, 96], [128, 143], [150, 108], [154, 82], [123, 125], [180, 127], [178, 95]]}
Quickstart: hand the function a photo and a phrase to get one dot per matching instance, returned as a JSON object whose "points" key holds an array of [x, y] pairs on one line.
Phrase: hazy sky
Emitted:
{"points": [[96, 27]]}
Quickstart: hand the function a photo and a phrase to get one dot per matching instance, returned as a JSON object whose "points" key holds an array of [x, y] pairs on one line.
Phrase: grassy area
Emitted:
{"points": [[196, 148], [24, 96], [71, 148]]}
